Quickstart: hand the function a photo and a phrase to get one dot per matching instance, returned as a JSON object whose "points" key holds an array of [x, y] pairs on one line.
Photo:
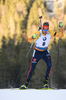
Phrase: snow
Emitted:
{"points": [[32, 94]]}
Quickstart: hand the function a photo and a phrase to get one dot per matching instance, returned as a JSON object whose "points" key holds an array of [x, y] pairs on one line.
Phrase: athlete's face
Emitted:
{"points": [[45, 29]]}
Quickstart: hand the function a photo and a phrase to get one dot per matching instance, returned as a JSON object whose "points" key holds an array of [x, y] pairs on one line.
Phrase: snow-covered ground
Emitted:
{"points": [[32, 94]]}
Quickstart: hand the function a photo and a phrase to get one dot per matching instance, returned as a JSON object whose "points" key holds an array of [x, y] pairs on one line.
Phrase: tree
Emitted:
{"points": [[33, 19]]}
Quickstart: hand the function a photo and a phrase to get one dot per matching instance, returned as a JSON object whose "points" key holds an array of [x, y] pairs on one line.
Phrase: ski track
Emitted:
{"points": [[32, 94]]}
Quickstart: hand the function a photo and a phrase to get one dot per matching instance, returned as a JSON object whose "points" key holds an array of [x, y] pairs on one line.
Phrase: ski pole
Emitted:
{"points": [[58, 57], [23, 63], [40, 29], [40, 23]]}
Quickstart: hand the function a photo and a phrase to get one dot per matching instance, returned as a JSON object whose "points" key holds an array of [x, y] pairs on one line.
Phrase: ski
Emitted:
{"points": [[47, 89], [38, 89]]}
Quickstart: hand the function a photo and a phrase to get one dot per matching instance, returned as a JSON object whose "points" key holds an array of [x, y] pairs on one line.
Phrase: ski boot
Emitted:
{"points": [[46, 83], [25, 86]]}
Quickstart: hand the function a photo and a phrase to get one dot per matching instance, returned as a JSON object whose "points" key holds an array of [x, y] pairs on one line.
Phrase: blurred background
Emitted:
{"points": [[19, 19]]}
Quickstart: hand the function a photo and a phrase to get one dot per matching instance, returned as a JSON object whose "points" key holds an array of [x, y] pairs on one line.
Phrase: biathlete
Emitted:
{"points": [[41, 51]]}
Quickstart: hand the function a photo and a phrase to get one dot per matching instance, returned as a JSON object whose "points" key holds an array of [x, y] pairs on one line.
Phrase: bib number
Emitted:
{"points": [[43, 44]]}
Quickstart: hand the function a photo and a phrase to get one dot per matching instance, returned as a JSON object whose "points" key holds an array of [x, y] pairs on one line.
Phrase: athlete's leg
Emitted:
{"points": [[47, 59], [37, 55], [35, 58]]}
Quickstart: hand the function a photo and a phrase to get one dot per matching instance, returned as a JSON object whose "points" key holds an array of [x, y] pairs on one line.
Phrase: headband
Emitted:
{"points": [[45, 27]]}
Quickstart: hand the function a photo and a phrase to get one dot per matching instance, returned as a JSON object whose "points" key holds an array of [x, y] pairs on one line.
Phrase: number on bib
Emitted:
{"points": [[43, 44]]}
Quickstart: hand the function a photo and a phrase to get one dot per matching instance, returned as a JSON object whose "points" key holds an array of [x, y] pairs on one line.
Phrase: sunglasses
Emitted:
{"points": [[45, 29]]}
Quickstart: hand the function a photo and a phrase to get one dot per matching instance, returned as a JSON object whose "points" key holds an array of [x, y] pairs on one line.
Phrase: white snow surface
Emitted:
{"points": [[32, 94]]}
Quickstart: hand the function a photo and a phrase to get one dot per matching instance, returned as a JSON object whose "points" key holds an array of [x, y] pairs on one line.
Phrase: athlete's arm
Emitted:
{"points": [[35, 36], [61, 29], [57, 34]]}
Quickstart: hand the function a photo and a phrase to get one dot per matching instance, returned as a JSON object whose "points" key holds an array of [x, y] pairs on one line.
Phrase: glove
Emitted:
{"points": [[60, 24], [35, 36]]}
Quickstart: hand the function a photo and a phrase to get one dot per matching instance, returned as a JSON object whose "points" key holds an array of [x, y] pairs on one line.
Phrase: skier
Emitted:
{"points": [[41, 51]]}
